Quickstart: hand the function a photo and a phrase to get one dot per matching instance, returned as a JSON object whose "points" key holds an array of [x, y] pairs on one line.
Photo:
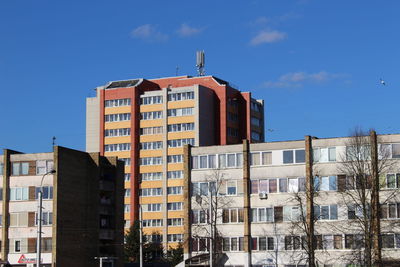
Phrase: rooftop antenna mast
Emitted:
{"points": [[200, 61]]}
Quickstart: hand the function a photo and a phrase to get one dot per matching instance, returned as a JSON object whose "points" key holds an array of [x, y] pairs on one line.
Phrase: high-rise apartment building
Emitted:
{"points": [[82, 208], [146, 123]]}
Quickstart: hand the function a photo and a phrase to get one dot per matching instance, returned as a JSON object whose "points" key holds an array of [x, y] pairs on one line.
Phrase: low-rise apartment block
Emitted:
{"points": [[259, 205], [82, 208]]}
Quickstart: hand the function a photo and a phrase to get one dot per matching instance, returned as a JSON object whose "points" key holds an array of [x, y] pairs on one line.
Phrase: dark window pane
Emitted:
{"points": [[272, 186], [288, 156], [282, 185], [300, 156]]}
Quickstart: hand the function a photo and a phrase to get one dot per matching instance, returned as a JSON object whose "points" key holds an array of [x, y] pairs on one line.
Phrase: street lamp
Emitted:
{"points": [[40, 219], [140, 237]]}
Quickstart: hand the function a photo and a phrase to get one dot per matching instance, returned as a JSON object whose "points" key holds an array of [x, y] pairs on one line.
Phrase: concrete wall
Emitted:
{"points": [[93, 124], [279, 230]]}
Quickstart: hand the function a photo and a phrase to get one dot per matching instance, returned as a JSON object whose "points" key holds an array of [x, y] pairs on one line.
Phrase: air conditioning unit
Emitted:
{"points": [[263, 195]]}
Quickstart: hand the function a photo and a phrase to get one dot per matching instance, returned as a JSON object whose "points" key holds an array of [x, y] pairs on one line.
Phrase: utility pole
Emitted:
{"points": [[140, 237], [40, 220], [211, 217]]}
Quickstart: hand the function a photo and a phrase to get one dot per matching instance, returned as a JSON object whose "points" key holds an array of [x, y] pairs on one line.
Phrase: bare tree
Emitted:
{"points": [[361, 166], [211, 200]]}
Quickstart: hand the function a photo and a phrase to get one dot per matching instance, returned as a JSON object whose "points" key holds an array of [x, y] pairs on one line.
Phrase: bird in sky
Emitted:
{"points": [[382, 82]]}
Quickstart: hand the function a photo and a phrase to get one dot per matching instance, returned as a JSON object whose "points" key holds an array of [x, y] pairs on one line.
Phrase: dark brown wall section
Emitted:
{"points": [[79, 180]]}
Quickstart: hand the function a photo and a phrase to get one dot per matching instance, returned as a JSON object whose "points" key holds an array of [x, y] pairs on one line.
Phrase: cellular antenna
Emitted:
{"points": [[200, 61]]}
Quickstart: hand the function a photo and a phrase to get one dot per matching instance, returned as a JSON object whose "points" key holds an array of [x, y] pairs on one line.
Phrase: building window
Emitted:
{"points": [[175, 190], [17, 245], [293, 156], [47, 192], [43, 166], [232, 215], [200, 216], [152, 115], [20, 168], [19, 193], [175, 222], [390, 211], [152, 207], [232, 131], [362, 152], [174, 206], [175, 237], [151, 176], [152, 223], [1, 168], [353, 241], [262, 214], [262, 243], [199, 244], [357, 211], [326, 212], [255, 136], [174, 174], [391, 180], [181, 127], [180, 142], [151, 161], [293, 242], [325, 183], [327, 154], [226, 244], [150, 100], [47, 218], [203, 188], [117, 102], [180, 96], [255, 159], [291, 213], [117, 117], [177, 112], [281, 185], [117, 147], [256, 121], [127, 208], [151, 145], [288, 156], [175, 159], [127, 192], [147, 192], [151, 130], [127, 177], [231, 188], [233, 117], [117, 132]]}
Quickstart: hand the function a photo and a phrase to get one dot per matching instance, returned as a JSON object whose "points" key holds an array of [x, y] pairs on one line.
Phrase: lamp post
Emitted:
{"points": [[40, 219], [140, 237]]}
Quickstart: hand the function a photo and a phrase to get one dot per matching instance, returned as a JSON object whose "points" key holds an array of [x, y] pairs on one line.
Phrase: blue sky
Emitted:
{"points": [[317, 64]]}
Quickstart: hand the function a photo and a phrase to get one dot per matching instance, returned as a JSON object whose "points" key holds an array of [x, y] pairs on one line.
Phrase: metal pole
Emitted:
{"points": [[211, 217], [39, 228], [101, 261], [40, 220], [140, 237]]}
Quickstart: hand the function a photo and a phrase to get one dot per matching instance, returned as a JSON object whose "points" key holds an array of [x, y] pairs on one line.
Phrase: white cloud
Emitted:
{"points": [[268, 36], [298, 79], [149, 32], [260, 21], [186, 31]]}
